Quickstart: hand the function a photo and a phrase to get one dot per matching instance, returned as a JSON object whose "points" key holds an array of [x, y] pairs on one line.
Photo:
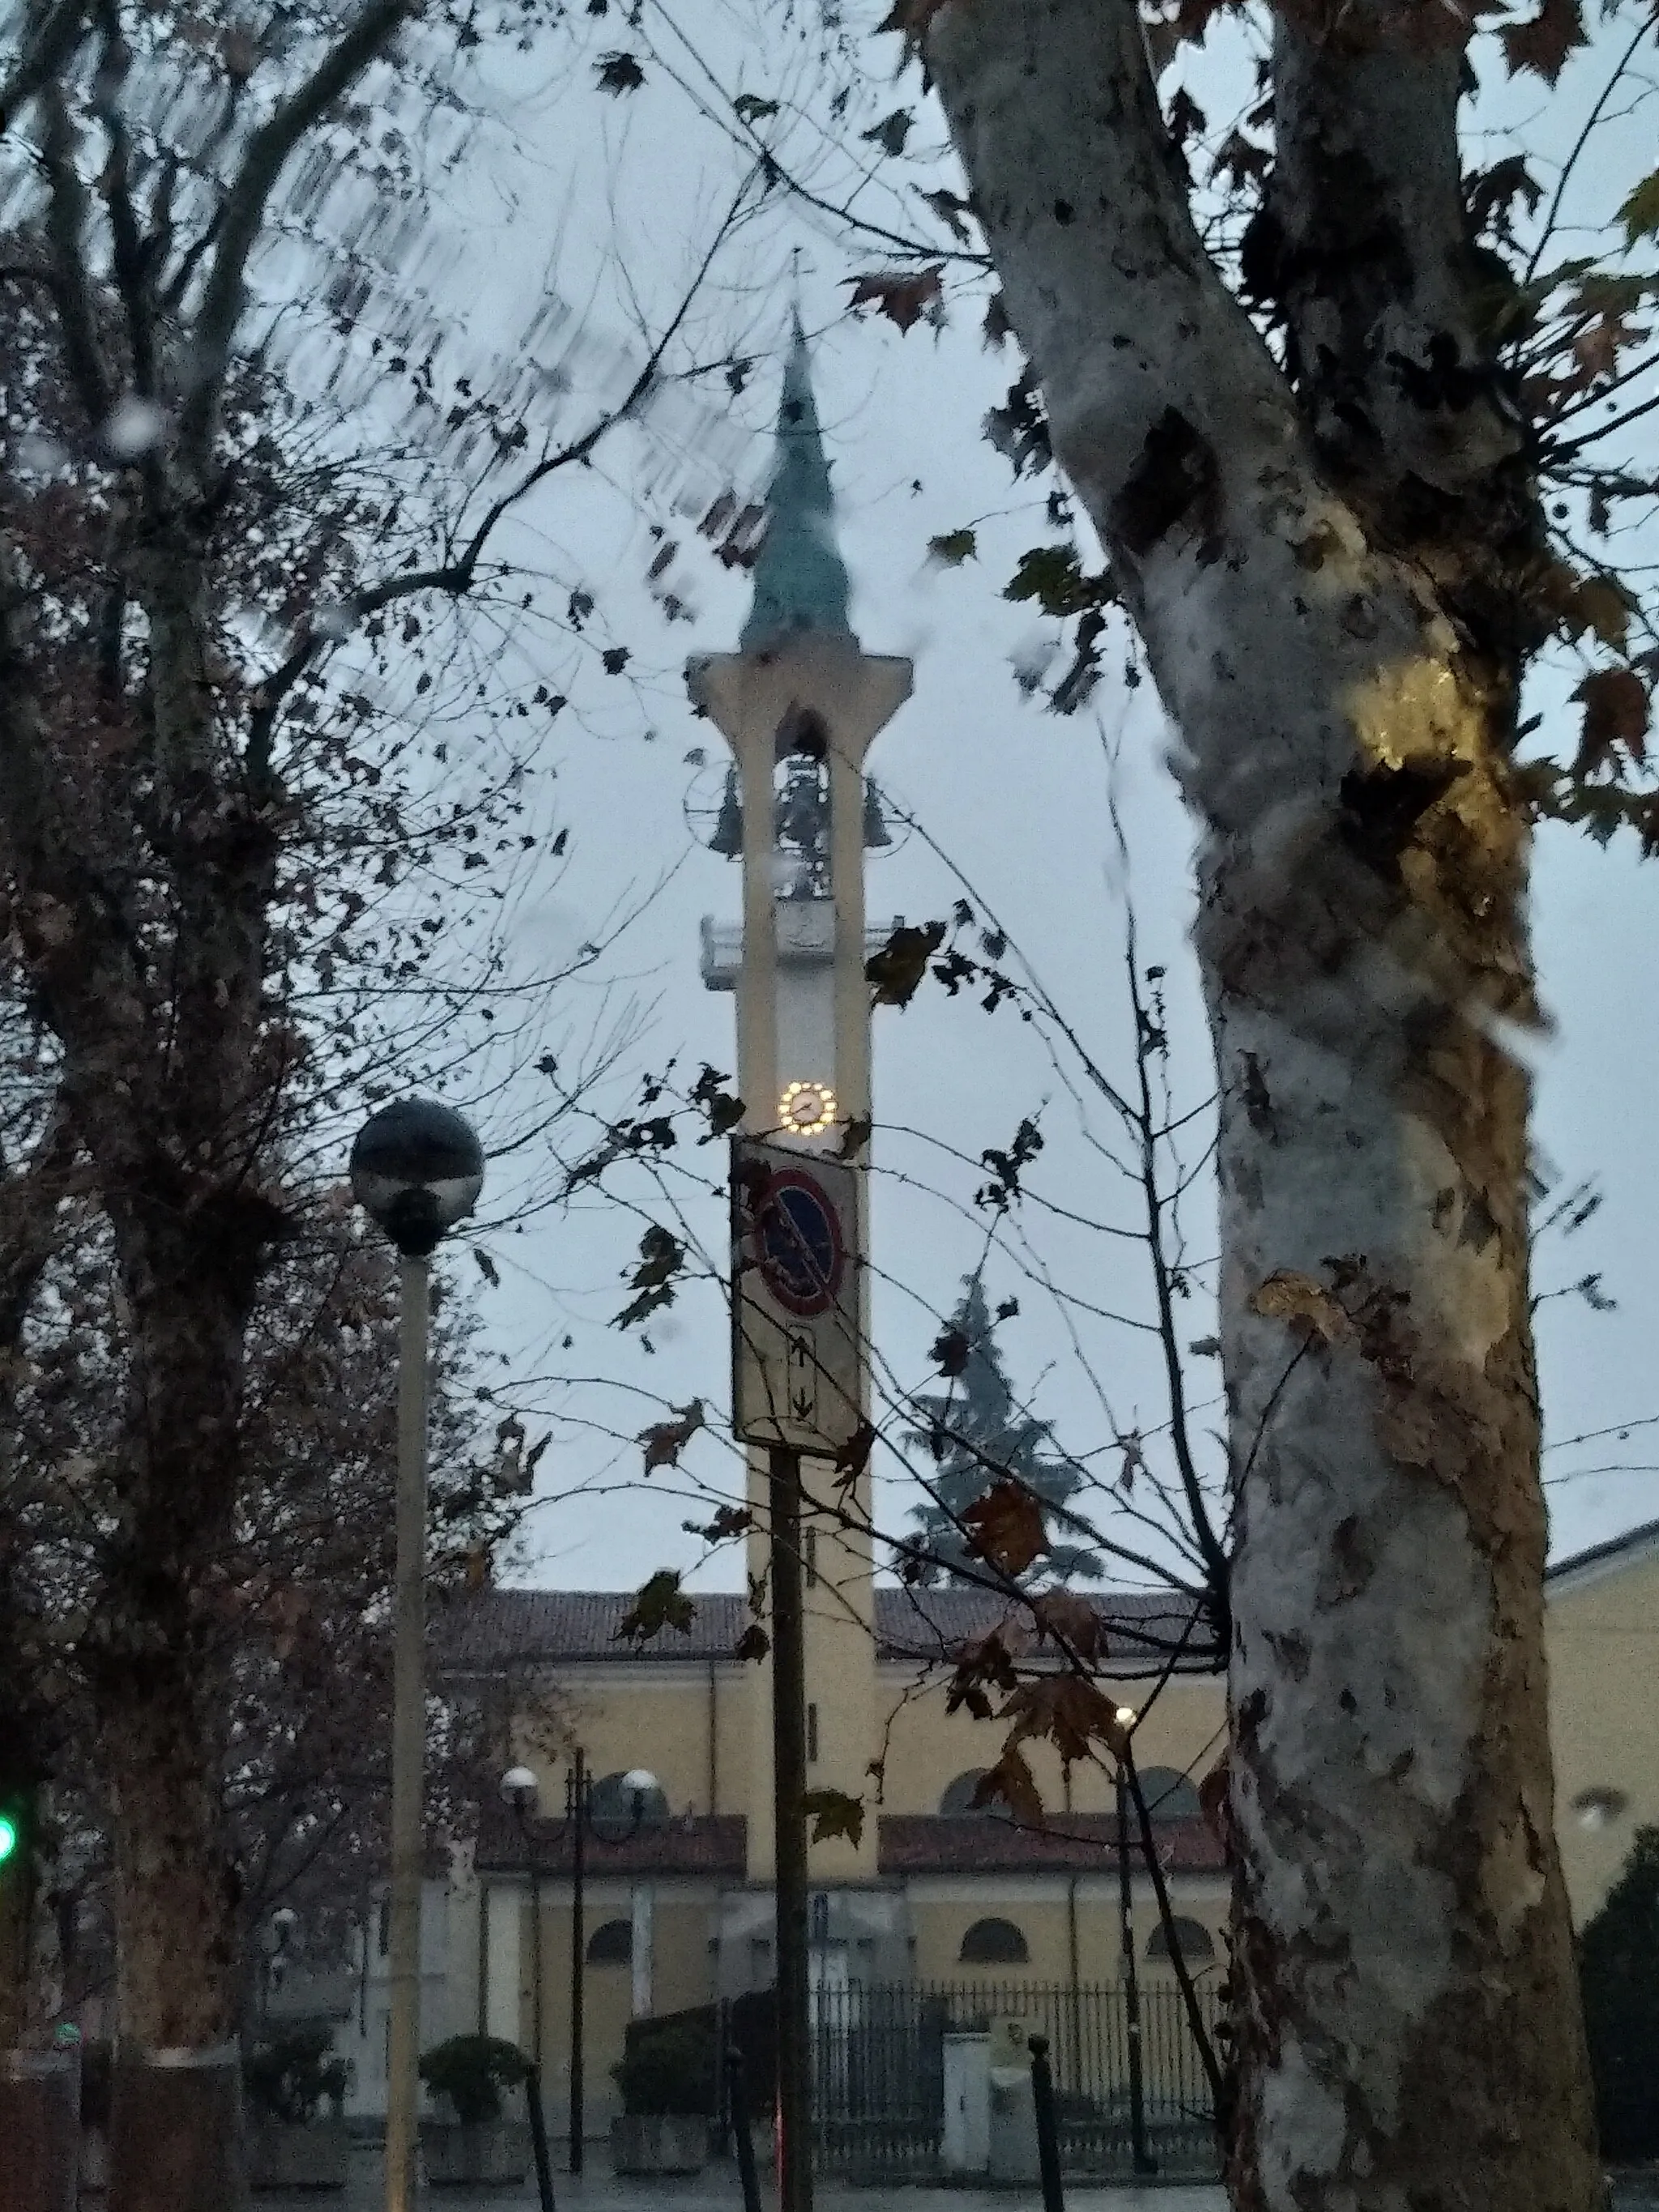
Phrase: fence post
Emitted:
{"points": [[722, 2078], [1048, 2131], [736, 2105], [533, 2098]]}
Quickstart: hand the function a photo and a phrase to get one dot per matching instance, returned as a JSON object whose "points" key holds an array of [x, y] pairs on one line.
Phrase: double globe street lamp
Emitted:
{"points": [[416, 1169], [520, 1789]]}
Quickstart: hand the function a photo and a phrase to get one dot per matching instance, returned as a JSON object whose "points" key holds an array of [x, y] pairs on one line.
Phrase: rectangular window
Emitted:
{"points": [[385, 1926], [811, 1734], [810, 1556]]}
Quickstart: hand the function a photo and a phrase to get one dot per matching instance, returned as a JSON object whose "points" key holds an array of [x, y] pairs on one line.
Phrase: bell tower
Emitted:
{"points": [[798, 704]]}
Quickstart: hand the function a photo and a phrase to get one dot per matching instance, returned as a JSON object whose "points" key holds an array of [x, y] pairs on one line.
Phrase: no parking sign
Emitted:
{"points": [[795, 1298]]}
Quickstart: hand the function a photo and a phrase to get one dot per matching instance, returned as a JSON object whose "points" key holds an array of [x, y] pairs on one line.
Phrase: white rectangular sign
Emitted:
{"points": [[795, 1364]]}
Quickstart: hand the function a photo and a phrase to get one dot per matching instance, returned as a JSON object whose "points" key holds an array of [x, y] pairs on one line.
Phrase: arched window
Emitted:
{"points": [[613, 1806], [995, 1943], [959, 1796], [1170, 1795], [612, 1944], [957, 1803], [1191, 1939]]}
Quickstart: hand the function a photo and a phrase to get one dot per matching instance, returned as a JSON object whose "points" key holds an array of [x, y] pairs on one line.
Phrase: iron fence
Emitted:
{"points": [[878, 2073]]}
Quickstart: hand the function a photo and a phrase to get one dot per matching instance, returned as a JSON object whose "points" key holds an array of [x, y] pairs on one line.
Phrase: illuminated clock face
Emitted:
{"points": [[807, 1110]]}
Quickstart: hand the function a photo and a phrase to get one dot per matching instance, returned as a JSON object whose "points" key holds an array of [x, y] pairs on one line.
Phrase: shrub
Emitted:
{"points": [[668, 2065], [1619, 1974], [288, 2076], [472, 2071]]}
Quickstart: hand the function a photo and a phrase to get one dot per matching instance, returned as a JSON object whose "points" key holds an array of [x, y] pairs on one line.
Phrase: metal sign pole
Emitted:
{"points": [[789, 1791]]}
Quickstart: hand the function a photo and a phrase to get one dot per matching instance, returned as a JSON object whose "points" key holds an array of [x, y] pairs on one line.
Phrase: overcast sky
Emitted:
{"points": [[1009, 799]]}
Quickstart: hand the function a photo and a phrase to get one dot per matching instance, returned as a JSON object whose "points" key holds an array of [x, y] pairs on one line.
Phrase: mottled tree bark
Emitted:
{"points": [[1327, 568], [167, 1089]]}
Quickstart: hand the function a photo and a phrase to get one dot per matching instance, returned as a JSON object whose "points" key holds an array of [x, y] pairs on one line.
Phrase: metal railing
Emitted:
{"points": [[878, 2073]]}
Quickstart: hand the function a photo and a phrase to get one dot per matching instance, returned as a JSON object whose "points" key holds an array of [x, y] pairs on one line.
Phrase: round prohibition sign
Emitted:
{"points": [[797, 1243]]}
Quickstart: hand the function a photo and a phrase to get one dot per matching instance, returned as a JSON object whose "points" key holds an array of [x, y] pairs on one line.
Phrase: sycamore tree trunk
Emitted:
{"points": [[169, 1083], [1326, 561], [163, 1690]]}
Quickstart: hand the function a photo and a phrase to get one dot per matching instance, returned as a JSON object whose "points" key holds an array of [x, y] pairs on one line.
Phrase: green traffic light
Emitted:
{"points": [[7, 1837]]}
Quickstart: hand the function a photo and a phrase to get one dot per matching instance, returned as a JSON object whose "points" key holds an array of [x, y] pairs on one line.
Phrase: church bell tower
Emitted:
{"points": [[798, 704]]}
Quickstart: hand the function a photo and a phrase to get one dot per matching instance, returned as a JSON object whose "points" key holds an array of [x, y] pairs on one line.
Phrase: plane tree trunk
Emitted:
{"points": [[1328, 564], [168, 1080]]}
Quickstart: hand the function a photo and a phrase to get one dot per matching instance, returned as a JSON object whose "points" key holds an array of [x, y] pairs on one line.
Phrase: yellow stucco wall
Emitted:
{"points": [[943, 1908], [929, 1747], [681, 1977], [689, 1725], [1603, 1640], [662, 1721]]}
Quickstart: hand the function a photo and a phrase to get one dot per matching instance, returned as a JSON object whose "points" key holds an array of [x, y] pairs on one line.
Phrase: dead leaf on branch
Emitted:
{"points": [[664, 1442], [1011, 1783], [1617, 711], [1071, 1620], [854, 1455], [661, 1603], [1297, 1298], [1542, 44], [832, 1813], [662, 1256], [950, 211], [986, 1663], [891, 133], [1070, 1713], [904, 297], [1597, 350], [895, 972], [1005, 1527], [1640, 212], [753, 1643], [952, 549], [910, 18], [950, 1353], [729, 1521], [618, 73], [854, 1137]]}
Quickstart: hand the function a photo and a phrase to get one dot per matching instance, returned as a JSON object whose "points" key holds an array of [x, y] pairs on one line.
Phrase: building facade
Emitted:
{"points": [[679, 1909]]}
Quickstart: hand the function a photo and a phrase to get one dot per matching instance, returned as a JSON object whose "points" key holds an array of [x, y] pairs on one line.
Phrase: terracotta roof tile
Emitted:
{"points": [[1077, 1843], [500, 1628]]}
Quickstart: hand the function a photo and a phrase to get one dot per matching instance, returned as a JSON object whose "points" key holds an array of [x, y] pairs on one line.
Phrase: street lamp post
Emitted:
{"points": [[1143, 2161], [578, 1823], [416, 1169], [518, 1789]]}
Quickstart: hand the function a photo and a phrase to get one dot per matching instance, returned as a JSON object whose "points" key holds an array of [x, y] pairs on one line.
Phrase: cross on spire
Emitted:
{"points": [[800, 583]]}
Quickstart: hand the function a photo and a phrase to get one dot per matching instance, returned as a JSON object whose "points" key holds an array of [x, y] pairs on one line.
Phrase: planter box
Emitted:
{"points": [[658, 2143], [297, 2154], [485, 2152]]}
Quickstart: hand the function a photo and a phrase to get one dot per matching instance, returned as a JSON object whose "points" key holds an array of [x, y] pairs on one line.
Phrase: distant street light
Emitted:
{"points": [[518, 1791], [577, 1824], [416, 1169]]}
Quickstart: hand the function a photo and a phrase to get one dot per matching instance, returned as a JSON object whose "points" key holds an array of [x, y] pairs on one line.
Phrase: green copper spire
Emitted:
{"points": [[800, 581]]}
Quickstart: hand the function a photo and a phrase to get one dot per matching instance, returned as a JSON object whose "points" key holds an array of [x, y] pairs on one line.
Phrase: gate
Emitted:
{"points": [[879, 2074]]}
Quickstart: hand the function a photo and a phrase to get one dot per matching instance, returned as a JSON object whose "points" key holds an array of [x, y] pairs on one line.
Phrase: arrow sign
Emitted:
{"points": [[795, 1366]]}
